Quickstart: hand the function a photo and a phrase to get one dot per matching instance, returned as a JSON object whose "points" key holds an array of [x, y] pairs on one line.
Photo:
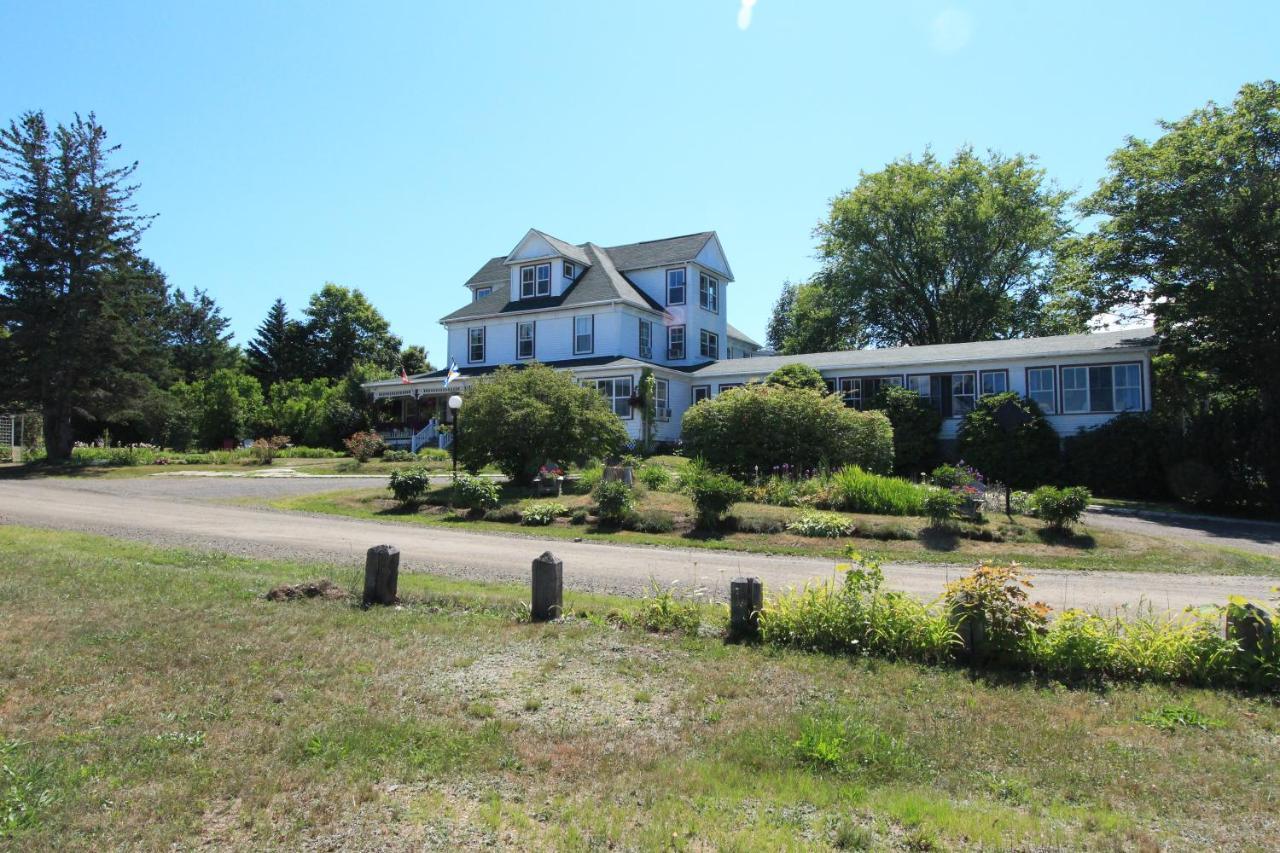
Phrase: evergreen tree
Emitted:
{"points": [[84, 313], [199, 342], [272, 354], [414, 360]]}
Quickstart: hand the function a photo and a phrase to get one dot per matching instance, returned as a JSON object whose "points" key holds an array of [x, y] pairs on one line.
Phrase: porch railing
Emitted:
{"points": [[422, 438]]}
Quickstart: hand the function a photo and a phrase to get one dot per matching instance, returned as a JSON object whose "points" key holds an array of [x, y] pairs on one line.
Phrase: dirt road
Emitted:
{"points": [[183, 513]]}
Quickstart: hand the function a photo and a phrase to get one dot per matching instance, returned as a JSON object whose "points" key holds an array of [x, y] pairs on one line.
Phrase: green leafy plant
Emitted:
{"points": [[650, 521], [615, 500], [398, 456], [915, 427], [1170, 718], [1025, 457], [852, 489], [542, 514], [668, 610], [1060, 508], [993, 607], [819, 524], [474, 493], [940, 505], [264, 450], [410, 485], [655, 477], [712, 493]]}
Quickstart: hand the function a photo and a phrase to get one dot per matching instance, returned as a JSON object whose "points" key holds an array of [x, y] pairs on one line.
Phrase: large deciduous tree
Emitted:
{"points": [[84, 313], [927, 252], [342, 329]]}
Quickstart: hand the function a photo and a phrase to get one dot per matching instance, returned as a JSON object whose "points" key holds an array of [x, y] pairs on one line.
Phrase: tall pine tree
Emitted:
{"points": [[199, 342], [84, 313], [272, 355]]}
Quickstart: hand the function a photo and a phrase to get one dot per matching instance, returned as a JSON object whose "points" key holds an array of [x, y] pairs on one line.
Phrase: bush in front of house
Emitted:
{"points": [[852, 489], [364, 445], [1120, 458], [1060, 508], [541, 514], [614, 501], [915, 427], [520, 419], [713, 493], [801, 377], [757, 428], [398, 456], [941, 505], [1022, 459], [655, 477], [410, 485], [474, 493]]}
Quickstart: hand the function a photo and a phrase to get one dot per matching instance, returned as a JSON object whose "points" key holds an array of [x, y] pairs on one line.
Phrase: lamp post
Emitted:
{"points": [[455, 410]]}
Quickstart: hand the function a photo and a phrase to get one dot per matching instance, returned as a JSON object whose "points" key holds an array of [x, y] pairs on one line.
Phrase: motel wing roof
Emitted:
{"points": [[1100, 343]]}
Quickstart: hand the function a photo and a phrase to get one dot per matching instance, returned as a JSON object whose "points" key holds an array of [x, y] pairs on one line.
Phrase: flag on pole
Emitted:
{"points": [[404, 377], [452, 374]]}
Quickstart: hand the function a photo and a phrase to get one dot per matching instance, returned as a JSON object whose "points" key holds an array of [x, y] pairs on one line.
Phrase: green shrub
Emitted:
{"points": [[992, 604], [1120, 458], [363, 446], [940, 505], [948, 477], [666, 610], [655, 477], [712, 493], [615, 500], [542, 514], [1060, 508], [520, 419], [650, 521], [409, 485], [504, 515], [585, 482], [915, 427], [578, 516], [434, 454], [800, 377], [819, 524], [475, 493], [297, 452], [852, 489], [749, 521], [398, 456], [1024, 458], [762, 427]]}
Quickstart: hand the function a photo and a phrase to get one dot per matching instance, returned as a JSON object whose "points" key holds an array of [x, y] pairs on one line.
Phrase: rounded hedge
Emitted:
{"points": [[757, 428], [1024, 458]]}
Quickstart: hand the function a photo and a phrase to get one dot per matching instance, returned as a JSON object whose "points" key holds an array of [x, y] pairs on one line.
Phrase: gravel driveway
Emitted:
{"points": [[191, 512]]}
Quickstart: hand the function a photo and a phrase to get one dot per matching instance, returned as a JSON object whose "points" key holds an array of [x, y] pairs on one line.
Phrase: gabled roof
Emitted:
{"points": [[492, 274], [657, 253], [894, 358], [570, 251], [738, 335], [599, 282]]}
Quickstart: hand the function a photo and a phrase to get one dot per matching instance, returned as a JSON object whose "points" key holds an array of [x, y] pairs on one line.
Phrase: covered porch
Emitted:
{"points": [[410, 416]]}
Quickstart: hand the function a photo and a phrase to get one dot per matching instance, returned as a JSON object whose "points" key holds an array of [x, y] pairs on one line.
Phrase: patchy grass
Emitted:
{"points": [[153, 699], [761, 529]]}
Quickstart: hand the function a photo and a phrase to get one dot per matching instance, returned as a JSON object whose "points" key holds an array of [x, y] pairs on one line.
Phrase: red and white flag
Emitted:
{"points": [[404, 377]]}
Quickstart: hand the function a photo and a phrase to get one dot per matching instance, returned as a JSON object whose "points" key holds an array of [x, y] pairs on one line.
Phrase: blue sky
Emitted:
{"points": [[395, 147]]}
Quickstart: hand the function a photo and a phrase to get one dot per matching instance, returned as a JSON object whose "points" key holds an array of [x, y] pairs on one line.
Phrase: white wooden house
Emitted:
{"points": [[606, 313]]}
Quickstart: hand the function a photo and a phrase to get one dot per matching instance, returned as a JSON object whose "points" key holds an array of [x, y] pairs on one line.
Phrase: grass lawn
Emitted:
{"points": [[152, 698], [890, 538]]}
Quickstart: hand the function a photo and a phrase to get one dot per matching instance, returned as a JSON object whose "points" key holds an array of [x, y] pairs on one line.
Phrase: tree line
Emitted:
{"points": [[94, 338]]}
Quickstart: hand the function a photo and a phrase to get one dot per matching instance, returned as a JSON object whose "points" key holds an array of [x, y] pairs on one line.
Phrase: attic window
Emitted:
{"points": [[481, 293], [570, 270], [535, 281]]}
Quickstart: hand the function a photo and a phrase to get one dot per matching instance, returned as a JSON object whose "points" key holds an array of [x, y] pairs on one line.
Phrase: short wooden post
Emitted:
{"points": [[381, 574], [746, 600], [1252, 629], [548, 588], [971, 626]]}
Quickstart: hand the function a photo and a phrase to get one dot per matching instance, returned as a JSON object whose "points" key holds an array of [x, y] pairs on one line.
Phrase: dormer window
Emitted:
{"points": [[481, 293], [675, 286], [570, 270], [709, 293], [535, 281]]}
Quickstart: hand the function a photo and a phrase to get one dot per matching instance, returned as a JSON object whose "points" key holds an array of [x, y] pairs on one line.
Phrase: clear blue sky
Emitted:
{"points": [[395, 147]]}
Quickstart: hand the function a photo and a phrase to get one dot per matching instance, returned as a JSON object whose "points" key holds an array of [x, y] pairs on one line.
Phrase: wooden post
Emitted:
{"points": [[548, 588], [972, 628], [381, 574], [746, 600]]}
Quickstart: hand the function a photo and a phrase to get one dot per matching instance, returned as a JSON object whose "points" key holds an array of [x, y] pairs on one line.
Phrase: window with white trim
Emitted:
{"points": [[964, 393], [1041, 390], [535, 281], [726, 386], [618, 393], [708, 344], [524, 339], [952, 395], [675, 286], [480, 293], [701, 392], [475, 344], [646, 339], [1101, 388], [584, 334], [662, 399], [708, 293], [570, 270], [851, 391], [675, 342], [994, 382]]}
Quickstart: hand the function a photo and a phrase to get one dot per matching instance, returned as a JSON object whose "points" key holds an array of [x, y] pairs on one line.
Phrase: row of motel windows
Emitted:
{"points": [[618, 391], [584, 333], [1087, 389]]}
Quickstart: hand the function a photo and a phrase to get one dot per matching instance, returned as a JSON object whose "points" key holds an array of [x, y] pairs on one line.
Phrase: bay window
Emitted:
{"points": [[675, 343]]}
